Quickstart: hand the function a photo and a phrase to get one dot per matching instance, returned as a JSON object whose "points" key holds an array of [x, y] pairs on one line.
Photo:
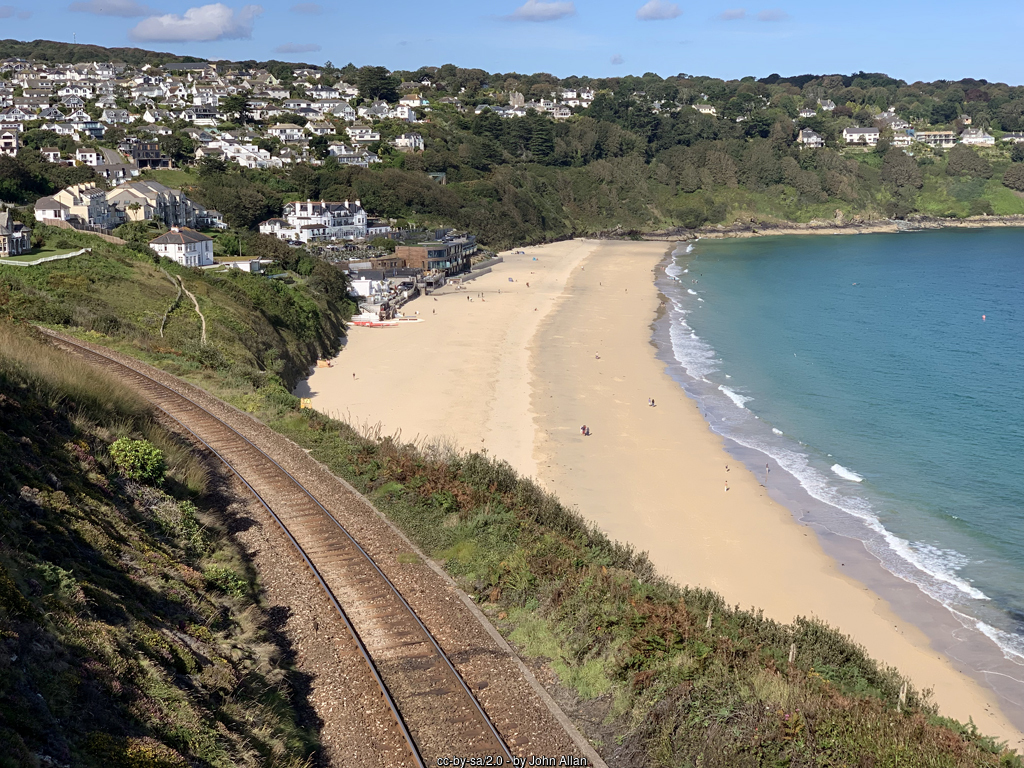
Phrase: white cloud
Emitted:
{"points": [[658, 10], [733, 14], [774, 14], [537, 10], [297, 48], [617, 59], [10, 12], [203, 24], [308, 9], [124, 8]]}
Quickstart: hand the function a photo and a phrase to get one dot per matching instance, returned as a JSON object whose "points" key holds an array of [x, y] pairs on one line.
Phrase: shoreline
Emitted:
{"points": [[518, 374], [855, 226]]}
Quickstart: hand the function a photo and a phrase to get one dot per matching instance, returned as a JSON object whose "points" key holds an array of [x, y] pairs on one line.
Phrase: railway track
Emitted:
{"points": [[433, 708]]}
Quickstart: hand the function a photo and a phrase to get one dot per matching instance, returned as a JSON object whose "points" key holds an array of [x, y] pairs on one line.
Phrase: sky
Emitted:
{"points": [[599, 38]]}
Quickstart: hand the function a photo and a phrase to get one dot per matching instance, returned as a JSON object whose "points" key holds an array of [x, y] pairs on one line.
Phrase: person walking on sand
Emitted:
{"points": [[353, 377], [726, 485], [767, 471]]}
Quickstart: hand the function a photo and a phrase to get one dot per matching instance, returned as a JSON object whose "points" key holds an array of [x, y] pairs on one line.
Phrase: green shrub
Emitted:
{"points": [[139, 460], [227, 581]]}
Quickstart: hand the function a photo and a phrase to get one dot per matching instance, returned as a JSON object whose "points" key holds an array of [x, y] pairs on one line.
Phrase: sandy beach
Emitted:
{"points": [[561, 336]]}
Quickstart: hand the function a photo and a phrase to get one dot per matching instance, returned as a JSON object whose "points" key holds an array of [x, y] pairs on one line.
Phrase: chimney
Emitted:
{"points": [[358, 204]]}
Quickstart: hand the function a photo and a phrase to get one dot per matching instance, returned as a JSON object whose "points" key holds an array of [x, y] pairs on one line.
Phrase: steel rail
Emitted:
{"points": [[333, 599]]}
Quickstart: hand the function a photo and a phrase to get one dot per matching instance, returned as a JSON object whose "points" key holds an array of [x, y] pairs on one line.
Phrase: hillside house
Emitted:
{"points": [[52, 154], [408, 142], [286, 132], [15, 237], [318, 220], [9, 142], [809, 139], [867, 136], [85, 202], [185, 246], [941, 139], [88, 156], [977, 137]]}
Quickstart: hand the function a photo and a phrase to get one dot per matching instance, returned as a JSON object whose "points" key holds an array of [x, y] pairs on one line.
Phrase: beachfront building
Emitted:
{"points": [[855, 135], [451, 255], [15, 237], [185, 246], [312, 220]]}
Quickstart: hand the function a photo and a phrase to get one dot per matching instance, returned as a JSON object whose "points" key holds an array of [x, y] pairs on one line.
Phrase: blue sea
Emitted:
{"points": [[883, 375]]}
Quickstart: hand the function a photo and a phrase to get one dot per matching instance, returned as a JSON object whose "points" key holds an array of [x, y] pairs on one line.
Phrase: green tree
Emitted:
{"points": [[319, 146], [179, 147], [1014, 177], [1017, 153], [965, 161], [237, 106], [376, 83], [900, 171]]}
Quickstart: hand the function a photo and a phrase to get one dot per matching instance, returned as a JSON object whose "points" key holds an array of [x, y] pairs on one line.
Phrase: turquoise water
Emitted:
{"points": [[885, 375]]}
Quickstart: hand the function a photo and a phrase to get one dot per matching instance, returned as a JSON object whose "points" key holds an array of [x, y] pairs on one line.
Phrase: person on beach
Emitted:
{"points": [[767, 471], [353, 377], [583, 429], [726, 485]]}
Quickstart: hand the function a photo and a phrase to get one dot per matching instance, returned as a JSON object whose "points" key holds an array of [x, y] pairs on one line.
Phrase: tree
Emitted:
{"points": [[237, 105], [1017, 153], [900, 171], [376, 83], [179, 147], [319, 146], [1014, 177], [965, 161]]}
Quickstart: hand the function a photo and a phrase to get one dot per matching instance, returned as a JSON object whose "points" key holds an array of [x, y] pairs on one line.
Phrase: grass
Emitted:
{"points": [[39, 253], [173, 178], [135, 622], [258, 330]]}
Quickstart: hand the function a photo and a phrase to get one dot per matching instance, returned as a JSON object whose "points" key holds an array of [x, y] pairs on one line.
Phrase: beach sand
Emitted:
{"points": [[517, 373]]}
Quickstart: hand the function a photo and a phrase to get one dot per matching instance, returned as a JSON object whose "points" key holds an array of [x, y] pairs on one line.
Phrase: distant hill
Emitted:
{"points": [[71, 53]]}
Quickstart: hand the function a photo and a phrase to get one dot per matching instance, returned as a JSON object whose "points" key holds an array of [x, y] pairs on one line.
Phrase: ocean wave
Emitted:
{"points": [[736, 397], [689, 248], [691, 291], [846, 474], [933, 570], [778, 431]]}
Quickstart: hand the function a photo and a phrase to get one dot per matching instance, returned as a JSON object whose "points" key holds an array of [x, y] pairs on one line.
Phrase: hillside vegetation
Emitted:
{"points": [[659, 675], [131, 632], [259, 330]]}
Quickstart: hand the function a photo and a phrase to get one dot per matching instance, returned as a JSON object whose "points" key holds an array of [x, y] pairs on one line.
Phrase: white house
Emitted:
{"points": [[286, 132], [409, 141], [705, 109], [9, 140], [87, 156], [810, 139], [312, 220], [977, 137], [362, 134], [855, 135], [185, 246]]}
